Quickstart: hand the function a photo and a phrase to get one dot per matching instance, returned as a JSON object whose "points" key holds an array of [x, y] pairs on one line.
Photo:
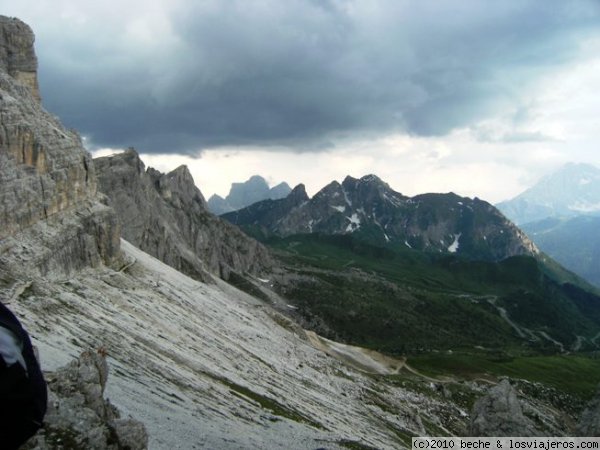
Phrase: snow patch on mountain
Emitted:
{"points": [[453, 248], [348, 201], [354, 223], [584, 207]]}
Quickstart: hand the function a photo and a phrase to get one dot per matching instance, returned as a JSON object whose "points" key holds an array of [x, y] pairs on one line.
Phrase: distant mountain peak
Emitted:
{"points": [[299, 192], [571, 190], [242, 194], [371, 179]]}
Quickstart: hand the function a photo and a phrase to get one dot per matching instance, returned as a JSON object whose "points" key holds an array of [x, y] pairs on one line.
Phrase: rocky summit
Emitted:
{"points": [[166, 216], [17, 55], [370, 209]]}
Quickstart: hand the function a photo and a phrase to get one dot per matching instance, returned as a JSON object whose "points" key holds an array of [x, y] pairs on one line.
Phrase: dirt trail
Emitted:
{"points": [[360, 358], [370, 361]]}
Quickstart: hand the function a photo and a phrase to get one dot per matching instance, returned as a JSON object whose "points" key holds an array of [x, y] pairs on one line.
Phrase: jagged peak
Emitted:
{"points": [[256, 178], [182, 171], [298, 193], [215, 197], [328, 190], [282, 184], [349, 180], [128, 157], [371, 178]]}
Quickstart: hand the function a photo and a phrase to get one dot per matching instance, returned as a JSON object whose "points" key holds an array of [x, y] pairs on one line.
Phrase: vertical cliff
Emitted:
{"points": [[17, 55], [49, 203]]}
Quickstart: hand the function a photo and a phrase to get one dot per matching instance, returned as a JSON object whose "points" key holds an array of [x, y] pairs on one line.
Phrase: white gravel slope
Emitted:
{"points": [[207, 366]]}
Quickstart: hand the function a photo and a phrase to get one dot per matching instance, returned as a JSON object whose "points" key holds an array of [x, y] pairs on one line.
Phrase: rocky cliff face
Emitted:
{"points": [[17, 55], [48, 195], [370, 209], [166, 216]]}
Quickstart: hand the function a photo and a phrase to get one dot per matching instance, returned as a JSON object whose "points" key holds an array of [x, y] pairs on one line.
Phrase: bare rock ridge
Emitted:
{"points": [[166, 216], [17, 55], [79, 416], [48, 195]]}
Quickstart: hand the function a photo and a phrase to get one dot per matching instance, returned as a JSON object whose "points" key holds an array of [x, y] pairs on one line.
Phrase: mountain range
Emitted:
{"points": [[368, 208], [244, 194], [363, 318]]}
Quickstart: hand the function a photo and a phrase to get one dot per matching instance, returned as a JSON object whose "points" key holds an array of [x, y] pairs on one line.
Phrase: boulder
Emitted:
{"points": [[78, 415], [499, 413]]}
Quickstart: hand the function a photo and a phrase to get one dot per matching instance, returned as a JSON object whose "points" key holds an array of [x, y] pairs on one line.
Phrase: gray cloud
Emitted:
{"points": [[297, 72]]}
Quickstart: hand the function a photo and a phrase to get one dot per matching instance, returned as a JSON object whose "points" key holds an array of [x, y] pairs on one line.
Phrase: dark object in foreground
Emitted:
{"points": [[23, 391]]}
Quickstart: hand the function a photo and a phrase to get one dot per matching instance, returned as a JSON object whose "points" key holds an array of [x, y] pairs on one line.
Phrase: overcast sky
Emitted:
{"points": [[476, 97]]}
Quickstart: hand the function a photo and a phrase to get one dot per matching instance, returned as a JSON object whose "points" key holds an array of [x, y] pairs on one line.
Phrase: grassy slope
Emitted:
{"points": [[576, 375], [407, 301], [423, 305]]}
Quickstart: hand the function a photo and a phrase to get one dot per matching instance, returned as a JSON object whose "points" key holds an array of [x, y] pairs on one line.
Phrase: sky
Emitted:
{"points": [[477, 97]]}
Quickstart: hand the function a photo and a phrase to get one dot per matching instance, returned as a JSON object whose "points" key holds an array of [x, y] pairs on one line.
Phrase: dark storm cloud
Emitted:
{"points": [[297, 72]]}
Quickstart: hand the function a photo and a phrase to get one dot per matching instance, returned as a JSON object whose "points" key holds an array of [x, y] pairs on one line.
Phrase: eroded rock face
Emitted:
{"points": [[166, 215], [499, 413], [78, 415], [17, 55], [45, 173]]}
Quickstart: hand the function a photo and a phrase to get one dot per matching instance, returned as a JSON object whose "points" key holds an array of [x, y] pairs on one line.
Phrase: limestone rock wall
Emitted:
{"points": [[45, 173], [166, 216], [17, 54]]}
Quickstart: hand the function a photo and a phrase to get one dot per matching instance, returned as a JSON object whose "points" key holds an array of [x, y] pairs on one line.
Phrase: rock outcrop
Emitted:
{"points": [[165, 215], [48, 195], [589, 422], [499, 413], [78, 415], [17, 54]]}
